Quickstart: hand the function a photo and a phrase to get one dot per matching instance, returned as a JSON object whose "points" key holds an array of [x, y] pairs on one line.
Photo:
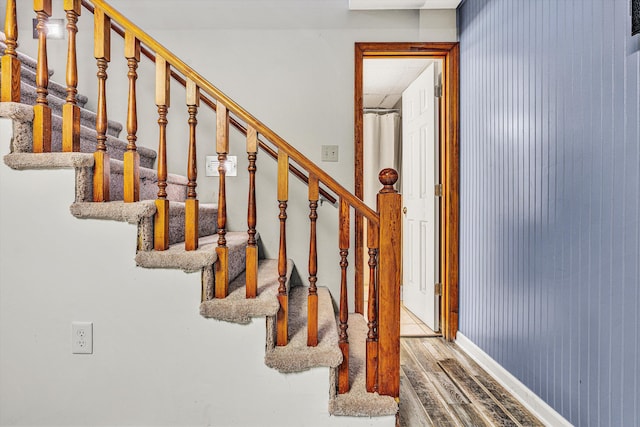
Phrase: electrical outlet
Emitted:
{"points": [[82, 337], [329, 153]]}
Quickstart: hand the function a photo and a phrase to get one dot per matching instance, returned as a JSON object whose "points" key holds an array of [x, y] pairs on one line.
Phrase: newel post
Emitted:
{"points": [[389, 267]]}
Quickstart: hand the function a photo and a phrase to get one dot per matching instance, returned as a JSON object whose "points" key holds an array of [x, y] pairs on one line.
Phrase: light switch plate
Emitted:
{"points": [[329, 153], [211, 166]]}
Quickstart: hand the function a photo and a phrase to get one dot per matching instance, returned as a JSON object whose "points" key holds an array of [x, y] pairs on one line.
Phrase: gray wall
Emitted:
{"points": [[550, 199]]}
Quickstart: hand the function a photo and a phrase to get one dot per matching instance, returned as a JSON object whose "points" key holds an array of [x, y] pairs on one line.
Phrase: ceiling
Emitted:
{"points": [[402, 4], [384, 80]]}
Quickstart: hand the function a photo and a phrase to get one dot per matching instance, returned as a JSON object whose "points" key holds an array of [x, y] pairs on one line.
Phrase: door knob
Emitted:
{"points": [[404, 210]]}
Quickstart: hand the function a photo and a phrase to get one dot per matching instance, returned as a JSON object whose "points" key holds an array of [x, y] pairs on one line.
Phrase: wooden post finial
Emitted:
{"points": [[388, 177]]}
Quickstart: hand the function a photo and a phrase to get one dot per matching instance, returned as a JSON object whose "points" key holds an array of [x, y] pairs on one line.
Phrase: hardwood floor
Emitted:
{"points": [[442, 386]]}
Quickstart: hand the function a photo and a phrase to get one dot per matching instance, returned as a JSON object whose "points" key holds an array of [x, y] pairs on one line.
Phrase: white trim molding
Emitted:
{"points": [[528, 398], [402, 4]]}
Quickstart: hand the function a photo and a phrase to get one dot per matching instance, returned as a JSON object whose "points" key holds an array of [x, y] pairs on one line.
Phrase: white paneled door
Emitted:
{"points": [[419, 178]]}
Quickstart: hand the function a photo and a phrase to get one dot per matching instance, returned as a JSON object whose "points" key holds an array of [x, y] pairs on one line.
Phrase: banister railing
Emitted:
{"points": [[232, 121], [382, 342], [236, 109]]}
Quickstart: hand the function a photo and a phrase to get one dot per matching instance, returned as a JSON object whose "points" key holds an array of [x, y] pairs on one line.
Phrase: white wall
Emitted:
{"points": [[289, 62]]}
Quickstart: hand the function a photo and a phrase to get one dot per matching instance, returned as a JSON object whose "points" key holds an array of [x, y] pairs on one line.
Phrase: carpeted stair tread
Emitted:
{"points": [[237, 308], [296, 356], [176, 184], [357, 402], [114, 211], [24, 161], [134, 213], [176, 257], [22, 115]]}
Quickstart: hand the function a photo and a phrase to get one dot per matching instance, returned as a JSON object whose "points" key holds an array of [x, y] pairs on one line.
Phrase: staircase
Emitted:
{"points": [[295, 314]]}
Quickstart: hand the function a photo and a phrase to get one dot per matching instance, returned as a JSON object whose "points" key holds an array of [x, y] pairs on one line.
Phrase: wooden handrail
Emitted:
{"points": [[240, 112], [236, 124]]}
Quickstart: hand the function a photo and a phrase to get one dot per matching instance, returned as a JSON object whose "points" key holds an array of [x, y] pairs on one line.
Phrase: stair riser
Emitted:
{"points": [[207, 224], [26, 61], [148, 191], [28, 77], [87, 118]]}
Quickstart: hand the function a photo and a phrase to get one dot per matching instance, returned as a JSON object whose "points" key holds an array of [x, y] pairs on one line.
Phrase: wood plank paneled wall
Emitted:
{"points": [[550, 199]]}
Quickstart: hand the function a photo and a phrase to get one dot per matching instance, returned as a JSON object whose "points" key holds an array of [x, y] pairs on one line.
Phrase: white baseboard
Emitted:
{"points": [[528, 398]]}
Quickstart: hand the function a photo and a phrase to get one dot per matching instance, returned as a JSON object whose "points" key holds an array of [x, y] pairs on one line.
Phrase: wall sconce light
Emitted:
{"points": [[55, 29], [635, 17]]}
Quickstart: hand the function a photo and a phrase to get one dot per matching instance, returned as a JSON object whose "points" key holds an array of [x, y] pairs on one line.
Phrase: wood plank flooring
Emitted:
{"points": [[442, 386]]}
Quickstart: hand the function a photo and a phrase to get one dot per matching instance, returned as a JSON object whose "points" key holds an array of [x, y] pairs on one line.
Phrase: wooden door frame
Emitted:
{"points": [[449, 53]]}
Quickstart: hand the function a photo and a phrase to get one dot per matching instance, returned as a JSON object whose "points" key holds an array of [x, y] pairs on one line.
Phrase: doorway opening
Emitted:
{"points": [[438, 230]]}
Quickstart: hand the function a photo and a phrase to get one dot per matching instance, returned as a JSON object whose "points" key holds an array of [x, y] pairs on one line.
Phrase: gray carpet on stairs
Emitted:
{"points": [[238, 309], [176, 184], [22, 115], [177, 258], [87, 118], [114, 211], [357, 402], [296, 356]]}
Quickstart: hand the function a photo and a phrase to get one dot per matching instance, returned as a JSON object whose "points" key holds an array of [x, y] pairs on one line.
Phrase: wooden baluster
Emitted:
{"points": [[252, 248], [191, 213], [10, 83], [222, 148], [389, 267], [359, 268], [102, 53], [161, 222], [282, 336], [372, 311], [70, 110], [42, 111], [131, 156], [343, 339], [312, 299]]}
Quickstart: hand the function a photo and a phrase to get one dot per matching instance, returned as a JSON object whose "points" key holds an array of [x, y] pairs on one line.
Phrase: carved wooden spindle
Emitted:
{"points": [[222, 148], [312, 299], [42, 111], [191, 204], [102, 53], [252, 248], [10, 83], [372, 310], [282, 336], [389, 267], [70, 110], [131, 156], [343, 338], [161, 222]]}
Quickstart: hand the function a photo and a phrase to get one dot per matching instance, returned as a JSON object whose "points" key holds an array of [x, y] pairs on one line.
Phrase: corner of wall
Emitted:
{"points": [[438, 25]]}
